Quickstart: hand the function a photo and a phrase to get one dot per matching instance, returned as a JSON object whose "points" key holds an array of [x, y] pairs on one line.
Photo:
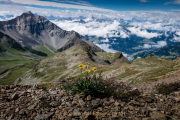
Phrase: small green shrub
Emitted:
{"points": [[166, 88], [96, 86]]}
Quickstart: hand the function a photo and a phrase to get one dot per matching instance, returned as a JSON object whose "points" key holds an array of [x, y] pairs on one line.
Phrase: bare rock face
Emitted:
{"points": [[31, 30]]}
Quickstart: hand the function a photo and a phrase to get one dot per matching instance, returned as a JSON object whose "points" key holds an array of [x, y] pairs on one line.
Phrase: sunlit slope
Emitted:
{"points": [[65, 64]]}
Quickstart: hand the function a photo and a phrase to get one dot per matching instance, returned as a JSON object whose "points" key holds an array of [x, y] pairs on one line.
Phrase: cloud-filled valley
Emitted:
{"points": [[128, 32]]}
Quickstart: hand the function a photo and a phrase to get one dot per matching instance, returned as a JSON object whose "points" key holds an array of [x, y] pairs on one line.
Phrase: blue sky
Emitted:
{"points": [[101, 5]]}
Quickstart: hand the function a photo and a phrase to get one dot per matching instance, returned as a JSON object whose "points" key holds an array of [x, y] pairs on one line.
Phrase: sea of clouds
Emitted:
{"points": [[145, 24]]}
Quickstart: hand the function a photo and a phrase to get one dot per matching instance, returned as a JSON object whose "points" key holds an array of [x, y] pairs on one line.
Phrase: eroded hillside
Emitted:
{"points": [[65, 64]]}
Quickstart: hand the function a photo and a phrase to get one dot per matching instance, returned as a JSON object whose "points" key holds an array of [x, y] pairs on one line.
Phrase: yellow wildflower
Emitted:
{"points": [[85, 66], [87, 71], [94, 69], [81, 65], [81, 68]]}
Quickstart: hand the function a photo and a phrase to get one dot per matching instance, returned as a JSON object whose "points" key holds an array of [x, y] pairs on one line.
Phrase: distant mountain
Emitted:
{"points": [[171, 51], [32, 31]]}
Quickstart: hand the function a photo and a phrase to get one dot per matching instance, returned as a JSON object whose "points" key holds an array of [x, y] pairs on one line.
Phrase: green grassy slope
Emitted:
{"points": [[15, 68], [15, 60], [43, 49]]}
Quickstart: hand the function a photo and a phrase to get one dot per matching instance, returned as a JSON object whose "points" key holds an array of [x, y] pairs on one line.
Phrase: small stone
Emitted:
{"points": [[29, 90], [131, 107], [177, 99], [147, 99], [88, 97], [157, 115], [10, 117], [53, 92], [34, 97], [168, 113], [146, 118], [14, 96], [68, 104], [81, 102], [178, 113], [112, 100], [68, 118], [56, 103], [116, 104], [17, 110], [97, 104], [44, 116], [35, 87], [22, 112], [76, 113], [31, 107]]}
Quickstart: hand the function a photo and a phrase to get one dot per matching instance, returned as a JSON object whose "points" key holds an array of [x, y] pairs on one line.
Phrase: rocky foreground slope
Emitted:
{"points": [[30, 102]]}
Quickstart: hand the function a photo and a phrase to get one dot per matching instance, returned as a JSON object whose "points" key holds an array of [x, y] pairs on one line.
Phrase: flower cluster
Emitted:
{"points": [[86, 68]]}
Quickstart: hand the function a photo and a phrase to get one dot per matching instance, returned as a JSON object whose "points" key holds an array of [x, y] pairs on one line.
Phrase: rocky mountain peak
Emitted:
{"points": [[32, 30]]}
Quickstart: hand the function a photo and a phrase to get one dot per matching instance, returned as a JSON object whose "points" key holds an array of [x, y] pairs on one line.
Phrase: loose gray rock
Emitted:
{"points": [[76, 113], [35, 87], [14, 96], [53, 92], [157, 115], [81, 102], [22, 112], [44, 116]]}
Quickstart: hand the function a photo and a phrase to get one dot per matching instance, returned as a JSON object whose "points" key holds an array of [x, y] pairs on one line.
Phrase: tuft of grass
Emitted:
{"points": [[44, 86], [98, 87], [166, 88]]}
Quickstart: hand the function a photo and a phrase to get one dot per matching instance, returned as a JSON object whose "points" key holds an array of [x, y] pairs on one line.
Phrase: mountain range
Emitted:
{"points": [[34, 50], [28, 38], [31, 31]]}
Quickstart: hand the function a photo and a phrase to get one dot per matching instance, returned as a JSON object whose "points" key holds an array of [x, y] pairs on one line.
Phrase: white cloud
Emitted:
{"points": [[106, 48], [61, 5], [106, 40], [159, 44], [93, 28], [147, 46], [142, 33], [175, 39], [143, 0], [178, 33], [174, 2]]}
